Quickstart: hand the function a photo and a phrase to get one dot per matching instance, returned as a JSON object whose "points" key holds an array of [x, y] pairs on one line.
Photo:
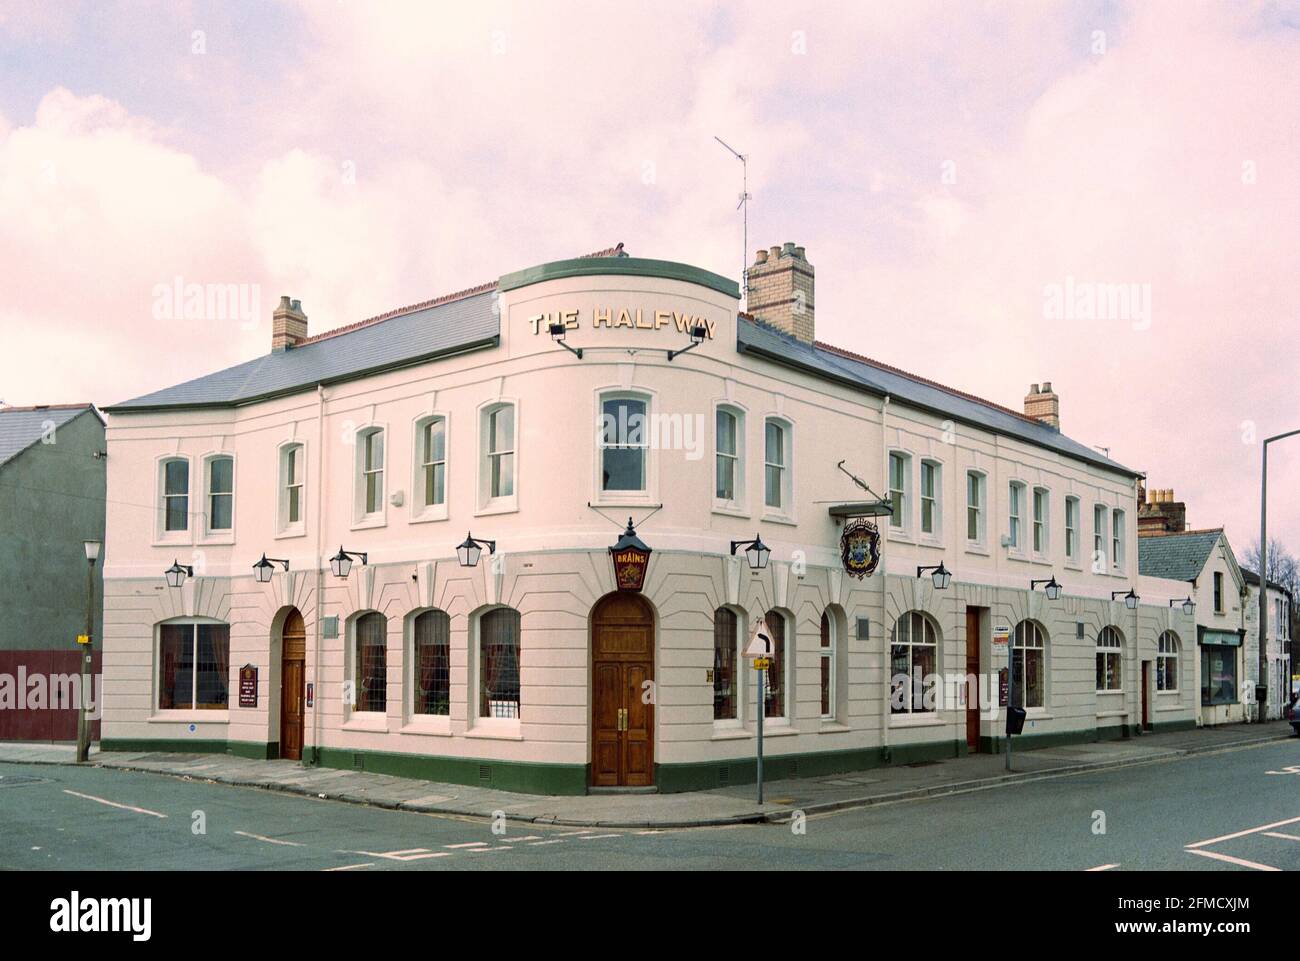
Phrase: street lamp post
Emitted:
{"points": [[1261, 687], [83, 722]]}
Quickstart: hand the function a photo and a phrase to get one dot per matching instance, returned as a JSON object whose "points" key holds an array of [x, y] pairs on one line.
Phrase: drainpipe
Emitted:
{"points": [[320, 574], [884, 542]]}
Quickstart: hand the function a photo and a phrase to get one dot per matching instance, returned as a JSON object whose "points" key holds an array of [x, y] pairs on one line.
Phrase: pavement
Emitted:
{"points": [[726, 806]]}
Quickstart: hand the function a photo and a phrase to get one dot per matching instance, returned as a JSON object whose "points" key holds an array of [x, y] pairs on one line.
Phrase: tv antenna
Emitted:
{"points": [[745, 197]]}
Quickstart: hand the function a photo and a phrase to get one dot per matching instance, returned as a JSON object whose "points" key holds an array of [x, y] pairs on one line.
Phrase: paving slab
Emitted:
{"points": [[732, 805]]}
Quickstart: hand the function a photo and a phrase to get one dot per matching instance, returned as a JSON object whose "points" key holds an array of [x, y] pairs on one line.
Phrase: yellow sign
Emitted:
{"points": [[83, 638], [762, 663]]}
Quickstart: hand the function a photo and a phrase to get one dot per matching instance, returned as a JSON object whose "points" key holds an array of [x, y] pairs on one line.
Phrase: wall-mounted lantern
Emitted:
{"points": [[177, 573], [469, 552], [698, 333], [756, 552], [263, 569], [341, 563], [1189, 606], [557, 335], [942, 577], [1130, 599], [1052, 589]]}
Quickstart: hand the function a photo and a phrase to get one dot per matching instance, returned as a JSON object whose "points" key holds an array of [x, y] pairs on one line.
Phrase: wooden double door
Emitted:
{"points": [[293, 662], [622, 692]]}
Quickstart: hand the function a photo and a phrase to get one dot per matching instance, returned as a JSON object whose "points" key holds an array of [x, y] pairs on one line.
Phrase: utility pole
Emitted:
{"points": [[1261, 686], [87, 649]]}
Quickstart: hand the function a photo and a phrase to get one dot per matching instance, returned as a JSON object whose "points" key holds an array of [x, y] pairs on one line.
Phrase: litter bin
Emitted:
{"points": [[1015, 720]]}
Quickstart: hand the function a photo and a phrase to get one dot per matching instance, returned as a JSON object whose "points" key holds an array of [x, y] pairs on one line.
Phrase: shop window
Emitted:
{"points": [[370, 663], [193, 666], [498, 671], [1110, 660], [431, 664], [913, 660], [1029, 667]]}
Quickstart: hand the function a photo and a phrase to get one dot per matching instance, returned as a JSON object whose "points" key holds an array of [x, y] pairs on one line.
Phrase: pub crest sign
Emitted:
{"points": [[860, 547]]}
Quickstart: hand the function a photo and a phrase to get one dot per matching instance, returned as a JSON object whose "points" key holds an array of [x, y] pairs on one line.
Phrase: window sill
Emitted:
{"points": [[189, 717], [975, 548], [832, 726], [1112, 714], [174, 539], [494, 733], [778, 727], [778, 518], [507, 506], [218, 539], [901, 535], [369, 522], [428, 726], [916, 720], [1110, 692], [430, 514], [624, 499], [372, 722], [730, 733], [1073, 566], [932, 540], [297, 530], [727, 510]]}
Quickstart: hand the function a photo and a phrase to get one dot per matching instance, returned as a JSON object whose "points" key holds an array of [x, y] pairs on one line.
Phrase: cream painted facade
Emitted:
{"points": [[552, 565]]}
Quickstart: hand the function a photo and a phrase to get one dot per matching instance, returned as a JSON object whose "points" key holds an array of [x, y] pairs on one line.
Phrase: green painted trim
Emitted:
{"points": [[525, 777], [622, 267], [707, 775], [164, 745]]}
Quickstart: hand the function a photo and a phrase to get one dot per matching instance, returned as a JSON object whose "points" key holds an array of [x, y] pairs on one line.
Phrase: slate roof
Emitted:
{"points": [[21, 427], [416, 334], [877, 378], [1253, 579], [1178, 557]]}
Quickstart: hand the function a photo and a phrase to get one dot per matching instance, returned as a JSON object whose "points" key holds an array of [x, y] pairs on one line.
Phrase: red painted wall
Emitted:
{"points": [[44, 725]]}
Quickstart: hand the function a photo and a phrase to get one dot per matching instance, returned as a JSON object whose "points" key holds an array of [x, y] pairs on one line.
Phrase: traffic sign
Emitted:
{"points": [[762, 663], [83, 638], [1001, 635], [760, 640]]}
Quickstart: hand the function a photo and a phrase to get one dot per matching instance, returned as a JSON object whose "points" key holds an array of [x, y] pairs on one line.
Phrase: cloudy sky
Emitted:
{"points": [[964, 176]]}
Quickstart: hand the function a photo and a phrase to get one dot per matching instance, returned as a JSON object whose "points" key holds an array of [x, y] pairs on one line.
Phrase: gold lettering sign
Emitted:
{"points": [[632, 319]]}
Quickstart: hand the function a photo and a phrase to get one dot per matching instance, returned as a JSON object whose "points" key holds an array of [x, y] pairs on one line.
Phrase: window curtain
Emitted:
{"points": [[372, 666], [775, 675], [724, 665], [499, 664], [432, 647]]}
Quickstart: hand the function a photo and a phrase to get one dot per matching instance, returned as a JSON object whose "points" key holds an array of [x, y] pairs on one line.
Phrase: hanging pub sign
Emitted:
{"points": [[631, 558], [248, 685], [860, 547]]}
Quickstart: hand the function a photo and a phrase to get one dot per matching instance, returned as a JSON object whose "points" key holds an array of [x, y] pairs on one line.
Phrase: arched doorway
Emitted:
{"points": [[622, 692], [293, 661]]}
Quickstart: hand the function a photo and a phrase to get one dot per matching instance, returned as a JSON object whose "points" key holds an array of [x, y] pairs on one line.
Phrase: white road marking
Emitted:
{"points": [[467, 844], [552, 841], [505, 847], [351, 867], [597, 837], [126, 807], [572, 834], [1103, 867], [259, 837], [649, 832], [1231, 860], [1242, 834], [410, 854], [1279, 834], [527, 837]]}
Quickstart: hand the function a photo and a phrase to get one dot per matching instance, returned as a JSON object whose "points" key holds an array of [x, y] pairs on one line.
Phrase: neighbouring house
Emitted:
{"points": [[302, 584], [1277, 646], [1216, 585], [52, 477]]}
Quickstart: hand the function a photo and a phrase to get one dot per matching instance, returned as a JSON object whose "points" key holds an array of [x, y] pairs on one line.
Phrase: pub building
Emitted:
{"points": [[520, 535]]}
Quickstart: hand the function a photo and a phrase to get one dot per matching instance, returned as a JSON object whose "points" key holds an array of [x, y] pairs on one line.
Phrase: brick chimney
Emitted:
{"points": [[1042, 404], [781, 290], [288, 325], [1159, 513]]}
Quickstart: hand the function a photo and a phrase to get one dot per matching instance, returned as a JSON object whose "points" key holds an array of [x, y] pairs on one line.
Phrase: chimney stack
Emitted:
{"points": [[781, 290], [1043, 405], [288, 325], [1161, 514]]}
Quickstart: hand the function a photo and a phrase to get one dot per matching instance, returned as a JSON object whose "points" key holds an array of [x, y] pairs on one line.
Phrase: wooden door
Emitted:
{"points": [[622, 692], [293, 660], [973, 671]]}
